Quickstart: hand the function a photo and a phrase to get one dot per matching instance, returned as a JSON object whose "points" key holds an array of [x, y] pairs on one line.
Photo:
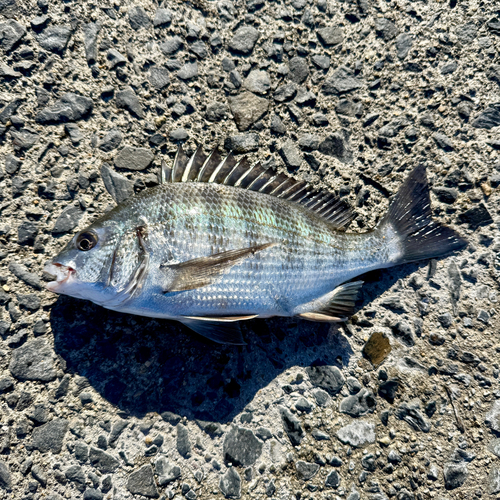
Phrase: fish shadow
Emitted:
{"points": [[145, 365]]}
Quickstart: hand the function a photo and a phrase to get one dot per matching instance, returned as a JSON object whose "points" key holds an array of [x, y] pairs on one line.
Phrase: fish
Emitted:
{"points": [[220, 241]]}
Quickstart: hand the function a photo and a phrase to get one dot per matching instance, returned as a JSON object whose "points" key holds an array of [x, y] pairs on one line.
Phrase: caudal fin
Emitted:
{"points": [[410, 217]]}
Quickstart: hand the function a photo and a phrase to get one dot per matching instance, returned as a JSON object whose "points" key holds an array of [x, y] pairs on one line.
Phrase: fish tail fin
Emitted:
{"points": [[410, 218]]}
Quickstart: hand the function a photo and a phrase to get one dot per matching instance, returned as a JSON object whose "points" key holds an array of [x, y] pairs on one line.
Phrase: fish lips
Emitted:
{"points": [[65, 276]]}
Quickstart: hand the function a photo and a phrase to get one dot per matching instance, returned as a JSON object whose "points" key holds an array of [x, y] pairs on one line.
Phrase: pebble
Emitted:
{"points": [[242, 143], [127, 99], [142, 482], [241, 447], [299, 70], [443, 141], [335, 145], [449, 68], [118, 186], [326, 377], [492, 418], [24, 138], [291, 155], [199, 49], [11, 33], [489, 118], [178, 134], [115, 59], [466, 33], [29, 301], [321, 61], [54, 38], [357, 434], [12, 164], [494, 481], [388, 390], [103, 461], [476, 216], [385, 29], [68, 219], [247, 108], [455, 475], [216, 111], [26, 233], [330, 35], [359, 404], [183, 443], [33, 361], [171, 45], [342, 81], [90, 33], [230, 483], [306, 470], [131, 158], [285, 92], [5, 477], [159, 77], [21, 272], [167, 471], [410, 413], [50, 436], [244, 40], [74, 133], [257, 82], [404, 43], [110, 141], [320, 435], [138, 17], [163, 17], [188, 71], [69, 108], [7, 72], [292, 426]]}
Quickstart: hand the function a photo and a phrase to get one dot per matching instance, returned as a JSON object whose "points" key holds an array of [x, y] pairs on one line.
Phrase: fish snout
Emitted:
{"points": [[62, 274]]}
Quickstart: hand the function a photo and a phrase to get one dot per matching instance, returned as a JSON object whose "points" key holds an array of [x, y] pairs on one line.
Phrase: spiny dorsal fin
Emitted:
{"points": [[229, 171]]}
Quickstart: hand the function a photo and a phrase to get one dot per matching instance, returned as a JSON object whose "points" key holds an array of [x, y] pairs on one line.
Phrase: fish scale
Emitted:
{"points": [[209, 254]]}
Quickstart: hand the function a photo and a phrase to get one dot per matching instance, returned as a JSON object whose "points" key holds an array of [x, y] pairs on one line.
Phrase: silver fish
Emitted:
{"points": [[220, 241]]}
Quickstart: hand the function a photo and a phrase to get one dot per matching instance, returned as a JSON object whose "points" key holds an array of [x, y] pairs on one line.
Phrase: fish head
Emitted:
{"points": [[83, 266]]}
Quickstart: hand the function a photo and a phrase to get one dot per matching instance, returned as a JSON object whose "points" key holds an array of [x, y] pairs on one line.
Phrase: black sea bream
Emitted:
{"points": [[219, 241]]}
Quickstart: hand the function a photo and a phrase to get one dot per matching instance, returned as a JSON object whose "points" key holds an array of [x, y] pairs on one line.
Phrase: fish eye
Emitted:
{"points": [[86, 241]]}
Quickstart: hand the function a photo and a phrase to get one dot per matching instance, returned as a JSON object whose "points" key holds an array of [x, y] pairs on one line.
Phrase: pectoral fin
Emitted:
{"points": [[203, 271], [336, 305], [220, 330]]}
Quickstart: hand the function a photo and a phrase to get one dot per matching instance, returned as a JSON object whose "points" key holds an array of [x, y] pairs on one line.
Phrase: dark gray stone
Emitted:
{"points": [[50, 436], [24, 138], [449, 68], [476, 216], [5, 478], [93, 494], [102, 461], [171, 45], [199, 49], [12, 164], [326, 377], [455, 475], [241, 447], [74, 132], [81, 451], [247, 108], [39, 474], [410, 413], [299, 69], [167, 472], [115, 59], [466, 33], [404, 43], [138, 18], [285, 92], [242, 143], [292, 426], [26, 233], [403, 331], [230, 483], [131, 158], [321, 61], [306, 470], [494, 445], [118, 186], [257, 82], [110, 141], [20, 271], [159, 77], [494, 481], [492, 418], [443, 141], [163, 17], [385, 29], [216, 111], [446, 195], [11, 33], [291, 155], [393, 128], [183, 443], [304, 405], [276, 125], [90, 33], [330, 35], [142, 482], [335, 145], [388, 390], [342, 81], [6, 383], [244, 39], [69, 108], [127, 99], [29, 301], [357, 434], [332, 480], [359, 404], [188, 71], [9, 110], [54, 38], [489, 118], [33, 361], [68, 220]]}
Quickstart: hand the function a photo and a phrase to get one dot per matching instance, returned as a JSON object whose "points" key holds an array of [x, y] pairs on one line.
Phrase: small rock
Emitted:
{"points": [[404, 43], [449, 68], [216, 112], [292, 426], [26, 233], [188, 71], [410, 413], [326, 377], [127, 99], [24, 138], [5, 478], [33, 361], [291, 155], [163, 17], [7, 72], [489, 118], [404, 332], [142, 482], [171, 45], [138, 18], [110, 141], [455, 475], [54, 38], [159, 77], [102, 461], [247, 108], [306, 470], [115, 59], [20, 271], [183, 443], [332, 480], [492, 418], [90, 32], [199, 49], [494, 481], [342, 81], [476, 217], [39, 474], [29, 301], [178, 134], [241, 447], [330, 35], [257, 82], [242, 143], [118, 186], [377, 348], [443, 141], [244, 39], [50, 436], [69, 108], [230, 483], [68, 220], [466, 33], [299, 70], [385, 29], [167, 472], [74, 132], [320, 435], [446, 195], [131, 158], [357, 434], [304, 405], [359, 404], [321, 61], [335, 145], [11, 33]]}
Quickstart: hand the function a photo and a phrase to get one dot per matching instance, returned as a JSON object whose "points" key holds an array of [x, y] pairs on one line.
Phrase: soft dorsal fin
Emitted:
{"points": [[229, 171]]}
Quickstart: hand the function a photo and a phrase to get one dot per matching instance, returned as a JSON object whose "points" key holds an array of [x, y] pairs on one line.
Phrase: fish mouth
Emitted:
{"points": [[63, 275]]}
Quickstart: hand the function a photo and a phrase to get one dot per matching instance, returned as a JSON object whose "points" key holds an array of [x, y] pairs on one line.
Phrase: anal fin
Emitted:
{"points": [[222, 331], [336, 305]]}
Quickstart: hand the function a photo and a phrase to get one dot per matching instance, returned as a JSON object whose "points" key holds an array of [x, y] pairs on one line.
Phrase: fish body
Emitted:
{"points": [[209, 254]]}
